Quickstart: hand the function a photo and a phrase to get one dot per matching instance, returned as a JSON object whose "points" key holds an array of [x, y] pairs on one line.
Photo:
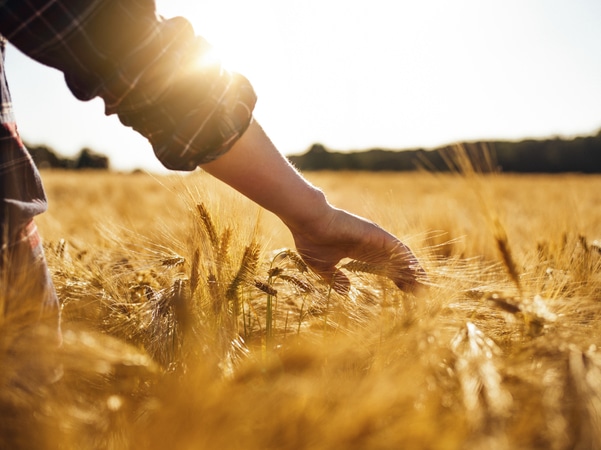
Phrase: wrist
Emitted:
{"points": [[307, 212]]}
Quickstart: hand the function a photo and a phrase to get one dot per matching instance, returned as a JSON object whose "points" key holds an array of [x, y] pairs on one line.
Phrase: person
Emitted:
{"points": [[152, 73]]}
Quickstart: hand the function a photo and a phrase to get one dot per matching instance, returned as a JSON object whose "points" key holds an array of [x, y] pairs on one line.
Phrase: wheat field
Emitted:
{"points": [[189, 322]]}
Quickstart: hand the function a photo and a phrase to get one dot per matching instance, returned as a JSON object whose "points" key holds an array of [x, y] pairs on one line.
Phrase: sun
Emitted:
{"points": [[214, 23]]}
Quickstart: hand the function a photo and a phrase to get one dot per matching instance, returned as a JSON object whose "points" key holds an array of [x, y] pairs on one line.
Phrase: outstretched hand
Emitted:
{"points": [[342, 235], [323, 235]]}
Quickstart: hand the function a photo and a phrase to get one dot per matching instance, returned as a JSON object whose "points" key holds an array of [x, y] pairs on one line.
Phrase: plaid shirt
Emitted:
{"points": [[155, 74], [21, 192], [149, 71]]}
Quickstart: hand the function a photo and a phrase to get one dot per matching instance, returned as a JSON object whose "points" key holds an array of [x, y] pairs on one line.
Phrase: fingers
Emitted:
{"points": [[407, 273], [393, 260], [412, 279], [404, 270]]}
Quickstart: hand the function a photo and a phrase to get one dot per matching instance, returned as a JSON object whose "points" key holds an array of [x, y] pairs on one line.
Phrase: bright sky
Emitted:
{"points": [[356, 74]]}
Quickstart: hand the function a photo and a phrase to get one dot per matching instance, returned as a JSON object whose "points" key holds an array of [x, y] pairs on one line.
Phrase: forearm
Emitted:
{"points": [[255, 168]]}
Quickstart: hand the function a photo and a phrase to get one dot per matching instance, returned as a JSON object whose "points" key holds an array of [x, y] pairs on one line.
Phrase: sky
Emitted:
{"points": [[359, 74]]}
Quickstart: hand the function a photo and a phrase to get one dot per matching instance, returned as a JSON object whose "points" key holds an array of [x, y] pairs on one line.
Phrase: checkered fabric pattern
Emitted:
{"points": [[153, 73]]}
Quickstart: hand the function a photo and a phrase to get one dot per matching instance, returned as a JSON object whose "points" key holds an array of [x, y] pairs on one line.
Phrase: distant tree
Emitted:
{"points": [[88, 159], [316, 158], [45, 157]]}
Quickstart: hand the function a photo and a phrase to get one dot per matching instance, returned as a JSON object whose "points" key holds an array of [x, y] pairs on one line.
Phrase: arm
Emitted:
{"points": [[322, 233], [147, 71]]}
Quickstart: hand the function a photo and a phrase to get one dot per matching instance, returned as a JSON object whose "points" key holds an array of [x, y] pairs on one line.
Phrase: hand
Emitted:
{"points": [[339, 235], [323, 234]]}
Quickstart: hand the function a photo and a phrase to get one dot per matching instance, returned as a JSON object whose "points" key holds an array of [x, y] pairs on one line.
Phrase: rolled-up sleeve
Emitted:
{"points": [[155, 74]]}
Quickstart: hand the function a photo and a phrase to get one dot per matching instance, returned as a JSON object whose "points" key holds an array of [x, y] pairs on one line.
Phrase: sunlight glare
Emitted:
{"points": [[226, 48]]}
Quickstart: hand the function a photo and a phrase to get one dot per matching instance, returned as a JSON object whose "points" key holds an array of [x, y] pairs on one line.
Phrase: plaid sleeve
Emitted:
{"points": [[155, 74]]}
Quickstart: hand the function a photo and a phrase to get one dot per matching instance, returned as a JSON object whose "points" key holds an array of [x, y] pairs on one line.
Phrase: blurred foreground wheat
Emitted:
{"points": [[191, 323]]}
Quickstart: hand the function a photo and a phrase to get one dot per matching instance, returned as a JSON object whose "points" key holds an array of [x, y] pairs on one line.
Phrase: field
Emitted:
{"points": [[190, 323]]}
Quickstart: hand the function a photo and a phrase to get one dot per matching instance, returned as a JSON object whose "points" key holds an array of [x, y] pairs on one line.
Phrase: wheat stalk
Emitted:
{"points": [[224, 247], [302, 285], [505, 251], [365, 267], [194, 272], [585, 370], [265, 287], [246, 271], [208, 225], [293, 256], [484, 397]]}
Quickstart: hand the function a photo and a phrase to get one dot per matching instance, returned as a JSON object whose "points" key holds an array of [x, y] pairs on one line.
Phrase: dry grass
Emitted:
{"points": [[190, 324]]}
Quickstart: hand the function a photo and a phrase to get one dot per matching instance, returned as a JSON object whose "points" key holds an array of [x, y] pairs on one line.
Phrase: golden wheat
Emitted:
{"points": [[165, 317]]}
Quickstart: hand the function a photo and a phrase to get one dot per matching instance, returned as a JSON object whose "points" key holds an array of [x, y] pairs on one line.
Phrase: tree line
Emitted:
{"points": [[45, 157], [553, 155]]}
